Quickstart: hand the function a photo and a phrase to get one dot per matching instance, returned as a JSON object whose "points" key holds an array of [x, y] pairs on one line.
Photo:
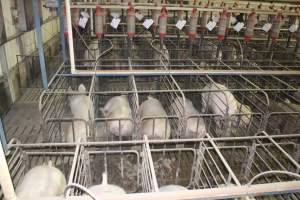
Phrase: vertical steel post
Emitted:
{"points": [[39, 41], [70, 36], [5, 179], [61, 25], [2, 136]]}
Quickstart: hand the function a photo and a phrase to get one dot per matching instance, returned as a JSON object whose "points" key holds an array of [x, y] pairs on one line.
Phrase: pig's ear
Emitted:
{"points": [[81, 88]]}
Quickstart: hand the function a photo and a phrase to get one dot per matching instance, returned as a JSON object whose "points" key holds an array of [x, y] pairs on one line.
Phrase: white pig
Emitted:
{"points": [[81, 108], [242, 121], [153, 108], [221, 103], [42, 181], [81, 131], [105, 189], [172, 188], [118, 107], [195, 127], [81, 105]]}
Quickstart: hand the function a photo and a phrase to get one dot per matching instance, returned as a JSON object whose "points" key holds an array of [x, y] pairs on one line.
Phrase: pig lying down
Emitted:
{"points": [[224, 104], [42, 181], [195, 126], [158, 128], [118, 107]]}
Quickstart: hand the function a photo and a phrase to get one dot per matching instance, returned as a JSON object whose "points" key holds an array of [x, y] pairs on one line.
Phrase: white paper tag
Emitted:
{"points": [[211, 25], [180, 24], [238, 27], [148, 23], [82, 22], [293, 28], [139, 16], [115, 15], [215, 18], [85, 14], [267, 27], [233, 20], [115, 22]]}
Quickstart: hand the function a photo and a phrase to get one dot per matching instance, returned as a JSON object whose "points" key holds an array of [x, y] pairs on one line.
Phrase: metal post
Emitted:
{"points": [[61, 24], [5, 179], [3, 137], [39, 40], [70, 36]]}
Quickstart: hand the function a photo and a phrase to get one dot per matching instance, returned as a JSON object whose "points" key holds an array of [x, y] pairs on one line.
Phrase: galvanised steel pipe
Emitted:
{"points": [[180, 72], [5, 179]]}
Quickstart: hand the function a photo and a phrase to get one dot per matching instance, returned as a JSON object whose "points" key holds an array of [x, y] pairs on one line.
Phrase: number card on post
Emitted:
{"points": [[238, 27], [267, 27], [115, 22], [148, 23], [180, 24], [211, 25], [139, 16]]}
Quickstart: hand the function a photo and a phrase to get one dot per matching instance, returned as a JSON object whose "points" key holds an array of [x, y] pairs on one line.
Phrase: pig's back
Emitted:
{"points": [[42, 181], [152, 107]]}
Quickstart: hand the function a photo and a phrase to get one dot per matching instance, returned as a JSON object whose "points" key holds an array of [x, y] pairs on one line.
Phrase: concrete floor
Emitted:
{"points": [[23, 120]]}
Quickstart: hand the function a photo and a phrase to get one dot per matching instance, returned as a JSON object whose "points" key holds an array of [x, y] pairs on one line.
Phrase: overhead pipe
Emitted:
{"points": [[169, 7]]}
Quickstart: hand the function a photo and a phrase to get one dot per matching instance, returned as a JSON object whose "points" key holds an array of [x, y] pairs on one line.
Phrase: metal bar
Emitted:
{"points": [[39, 40], [205, 37], [70, 36], [211, 193], [183, 8], [148, 152], [181, 72], [61, 25], [73, 168], [3, 137], [5, 179], [225, 163]]}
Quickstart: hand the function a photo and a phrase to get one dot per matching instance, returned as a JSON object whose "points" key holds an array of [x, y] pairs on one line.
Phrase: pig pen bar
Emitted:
{"points": [[147, 152], [166, 113]]}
